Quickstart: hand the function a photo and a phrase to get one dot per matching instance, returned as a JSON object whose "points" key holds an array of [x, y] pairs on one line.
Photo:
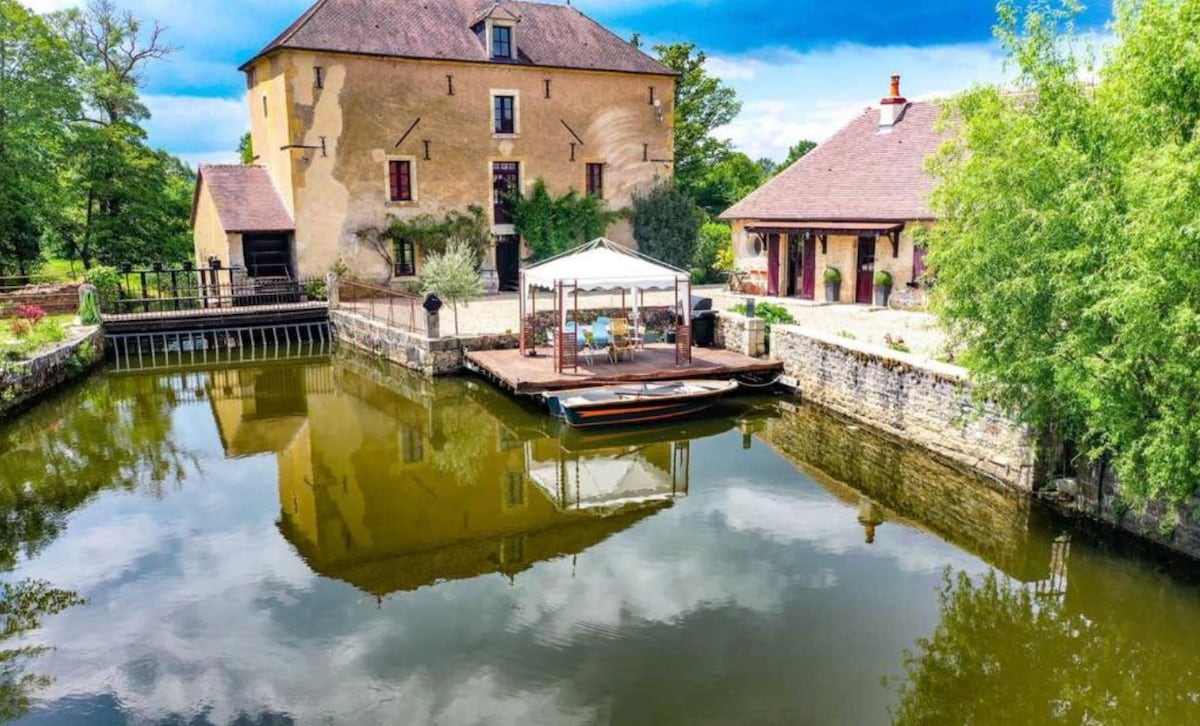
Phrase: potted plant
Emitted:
{"points": [[883, 287], [833, 284]]}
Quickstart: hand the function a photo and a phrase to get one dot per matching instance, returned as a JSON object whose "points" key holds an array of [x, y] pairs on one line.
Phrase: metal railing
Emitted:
{"points": [[397, 309], [257, 344], [160, 290]]}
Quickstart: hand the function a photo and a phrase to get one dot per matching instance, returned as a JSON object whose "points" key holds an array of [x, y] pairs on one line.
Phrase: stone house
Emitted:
{"points": [[856, 203], [367, 108]]}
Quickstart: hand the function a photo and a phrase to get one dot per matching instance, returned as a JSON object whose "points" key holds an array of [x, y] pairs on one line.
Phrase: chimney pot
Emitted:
{"points": [[891, 108], [895, 86]]}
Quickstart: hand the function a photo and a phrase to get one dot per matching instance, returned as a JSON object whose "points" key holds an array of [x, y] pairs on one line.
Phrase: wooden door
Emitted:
{"points": [[773, 264], [864, 287], [508, 262], [792, 268], [808, 266]]}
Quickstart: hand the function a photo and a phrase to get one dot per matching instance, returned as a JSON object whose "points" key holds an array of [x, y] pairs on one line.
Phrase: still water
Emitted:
{"points": [[320, 541]]}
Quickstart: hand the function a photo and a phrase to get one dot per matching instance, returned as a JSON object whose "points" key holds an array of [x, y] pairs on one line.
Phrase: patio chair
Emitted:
{"points": [[600, 332], [623, 342]]}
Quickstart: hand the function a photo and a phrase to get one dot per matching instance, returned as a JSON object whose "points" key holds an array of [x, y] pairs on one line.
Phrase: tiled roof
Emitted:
{"points": [[246, 199], [859, 174], [557, 36]]}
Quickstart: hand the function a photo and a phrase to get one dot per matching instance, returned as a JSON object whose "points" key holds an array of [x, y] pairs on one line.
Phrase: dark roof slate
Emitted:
{"points": [[558, 36], [859, 174]]}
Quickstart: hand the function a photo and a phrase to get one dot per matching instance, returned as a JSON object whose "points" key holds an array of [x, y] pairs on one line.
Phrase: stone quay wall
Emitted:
{"points": [[922, 402], [55, 299], [431, 356], [21, 382], [740, 334]]}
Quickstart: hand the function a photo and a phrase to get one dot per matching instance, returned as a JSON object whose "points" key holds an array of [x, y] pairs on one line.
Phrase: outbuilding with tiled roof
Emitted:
{"points": [[239, 218], [854, 204]]}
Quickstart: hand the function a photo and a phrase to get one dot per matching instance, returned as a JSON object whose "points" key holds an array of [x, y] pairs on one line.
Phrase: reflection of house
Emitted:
{"points": [[855, 203], [389, 493], [365, 108], [262, 410]]}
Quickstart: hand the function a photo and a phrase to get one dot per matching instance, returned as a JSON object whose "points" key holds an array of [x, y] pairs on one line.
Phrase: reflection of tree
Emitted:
{"points": [[467, 437], [1001, 655], [22, 607], [111, 433]]}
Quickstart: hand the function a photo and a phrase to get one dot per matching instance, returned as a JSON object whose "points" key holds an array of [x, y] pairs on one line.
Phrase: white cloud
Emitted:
{"points": [[789, 95], [197, 128]]}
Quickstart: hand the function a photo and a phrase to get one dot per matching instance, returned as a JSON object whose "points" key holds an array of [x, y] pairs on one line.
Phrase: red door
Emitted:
{"points": [[773, 264], [808, 276], [865, 284]]}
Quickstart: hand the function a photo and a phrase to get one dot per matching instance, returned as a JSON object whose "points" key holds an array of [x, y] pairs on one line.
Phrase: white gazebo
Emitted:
{"points": [[600, 265]]}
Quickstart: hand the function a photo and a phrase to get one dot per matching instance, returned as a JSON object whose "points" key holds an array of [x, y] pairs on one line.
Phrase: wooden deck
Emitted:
{"points": [[530, 376]]}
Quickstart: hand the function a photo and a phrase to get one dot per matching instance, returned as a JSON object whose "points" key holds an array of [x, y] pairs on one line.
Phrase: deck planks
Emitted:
{"points": [[529, 376]]}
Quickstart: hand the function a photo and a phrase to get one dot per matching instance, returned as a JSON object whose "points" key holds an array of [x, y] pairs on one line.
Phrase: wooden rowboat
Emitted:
{"points": [[636, 403]]}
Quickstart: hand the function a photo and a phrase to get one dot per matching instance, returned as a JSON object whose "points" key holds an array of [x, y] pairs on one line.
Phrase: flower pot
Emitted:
{"points": [[882, 293], [833, 291]]}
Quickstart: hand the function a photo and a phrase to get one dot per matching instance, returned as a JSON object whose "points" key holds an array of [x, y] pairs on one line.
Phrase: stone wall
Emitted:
{"points": [[740, 334], [919, 401], [429, 356], [21, 382]]}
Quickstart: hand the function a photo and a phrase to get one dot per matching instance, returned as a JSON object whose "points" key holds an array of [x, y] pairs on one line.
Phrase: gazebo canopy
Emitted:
{"points": [[604, 265]]}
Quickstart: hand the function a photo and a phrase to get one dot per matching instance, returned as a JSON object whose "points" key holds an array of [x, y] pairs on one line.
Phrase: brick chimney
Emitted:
{"points": [[892, 107]]}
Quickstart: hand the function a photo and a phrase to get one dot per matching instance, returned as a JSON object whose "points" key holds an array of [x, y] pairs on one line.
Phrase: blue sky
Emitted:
{"points": [[801, 67]]}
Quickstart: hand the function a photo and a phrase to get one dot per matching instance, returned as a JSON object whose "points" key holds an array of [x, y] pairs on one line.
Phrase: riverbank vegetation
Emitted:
{"points": [[78, 179], [1066, 259]]}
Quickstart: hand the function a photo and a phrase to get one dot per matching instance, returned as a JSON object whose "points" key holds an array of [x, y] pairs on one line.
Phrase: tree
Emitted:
{"points": [[453, 275], [37, 96], [246, 149], [702, 105], [666, 225], [552, 225], [769, 166], [796, 152], [120, 191], [1065, 260], [728, 182], [714, 252], [23, 605]]}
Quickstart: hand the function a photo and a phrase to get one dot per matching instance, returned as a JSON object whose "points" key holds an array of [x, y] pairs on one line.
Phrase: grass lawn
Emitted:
{"points": [[50, 331], [61, 271]]}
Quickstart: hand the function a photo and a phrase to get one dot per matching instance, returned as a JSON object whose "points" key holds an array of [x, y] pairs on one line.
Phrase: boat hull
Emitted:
{"points": [[635, 413], [626, 405]]}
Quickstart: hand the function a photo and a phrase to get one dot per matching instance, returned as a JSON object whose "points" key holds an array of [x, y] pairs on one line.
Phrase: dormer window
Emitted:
{"points": [[502, 45]]}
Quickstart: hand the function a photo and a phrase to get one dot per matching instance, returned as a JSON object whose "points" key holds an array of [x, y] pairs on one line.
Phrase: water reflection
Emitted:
{"points": [[391, 493]]}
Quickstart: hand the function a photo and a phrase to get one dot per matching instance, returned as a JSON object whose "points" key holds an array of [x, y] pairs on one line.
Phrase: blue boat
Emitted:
{"points": [[633, 404]]}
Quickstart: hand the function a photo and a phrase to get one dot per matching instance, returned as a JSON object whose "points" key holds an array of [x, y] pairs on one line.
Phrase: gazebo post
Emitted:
{"points": [[521, 311]]}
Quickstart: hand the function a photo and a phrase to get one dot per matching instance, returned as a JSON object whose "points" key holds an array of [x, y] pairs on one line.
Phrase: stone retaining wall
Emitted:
{"points": [[922, 402], [740, 334], [21, 382], [56, 299], [429, 356]]}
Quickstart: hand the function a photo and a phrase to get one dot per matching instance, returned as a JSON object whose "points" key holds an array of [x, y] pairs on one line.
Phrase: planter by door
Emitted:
{"points": [[808, 269], [865, 281], [882, 294], [833, 292]]}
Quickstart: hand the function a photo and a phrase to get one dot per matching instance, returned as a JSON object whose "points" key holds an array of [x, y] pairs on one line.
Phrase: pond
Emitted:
{"points": [[323, 541]]}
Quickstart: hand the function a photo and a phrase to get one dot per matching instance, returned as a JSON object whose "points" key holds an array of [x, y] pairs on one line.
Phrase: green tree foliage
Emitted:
{"points": [[714, 252], [1066, 258], [666, 225], [453, 275], [702, 105], [728, 182], [796, 152], [36, 98], [246, 149], [1000, 655], [552, 225]]}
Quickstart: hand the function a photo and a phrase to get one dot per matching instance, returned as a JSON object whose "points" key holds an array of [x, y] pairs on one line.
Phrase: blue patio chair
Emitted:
{"points": [[600, 332]]}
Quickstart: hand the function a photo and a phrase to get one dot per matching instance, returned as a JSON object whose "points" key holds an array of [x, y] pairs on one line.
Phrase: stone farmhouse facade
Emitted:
{"points": [[856, 204], [363, 109]]}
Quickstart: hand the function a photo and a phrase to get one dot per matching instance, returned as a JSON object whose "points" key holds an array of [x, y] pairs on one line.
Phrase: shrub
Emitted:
{"points": [[666, 225], [883, 278], [89, 309], [107, 282], [32, 313], [453, 275], [316, 290], [552, 225], [714, 253], [833, 275], [20, 327]]}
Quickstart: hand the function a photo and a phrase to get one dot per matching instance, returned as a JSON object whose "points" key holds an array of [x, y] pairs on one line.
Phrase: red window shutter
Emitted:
{"points": [[400, 181]]}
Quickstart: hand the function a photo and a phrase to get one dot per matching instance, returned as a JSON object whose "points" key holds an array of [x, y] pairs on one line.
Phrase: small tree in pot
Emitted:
{"points": [[833, 284], [883, 287]]}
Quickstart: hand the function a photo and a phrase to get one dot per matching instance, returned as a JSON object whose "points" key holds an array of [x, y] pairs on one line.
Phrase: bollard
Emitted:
{"points": [[749, 307], [331, 290]]}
